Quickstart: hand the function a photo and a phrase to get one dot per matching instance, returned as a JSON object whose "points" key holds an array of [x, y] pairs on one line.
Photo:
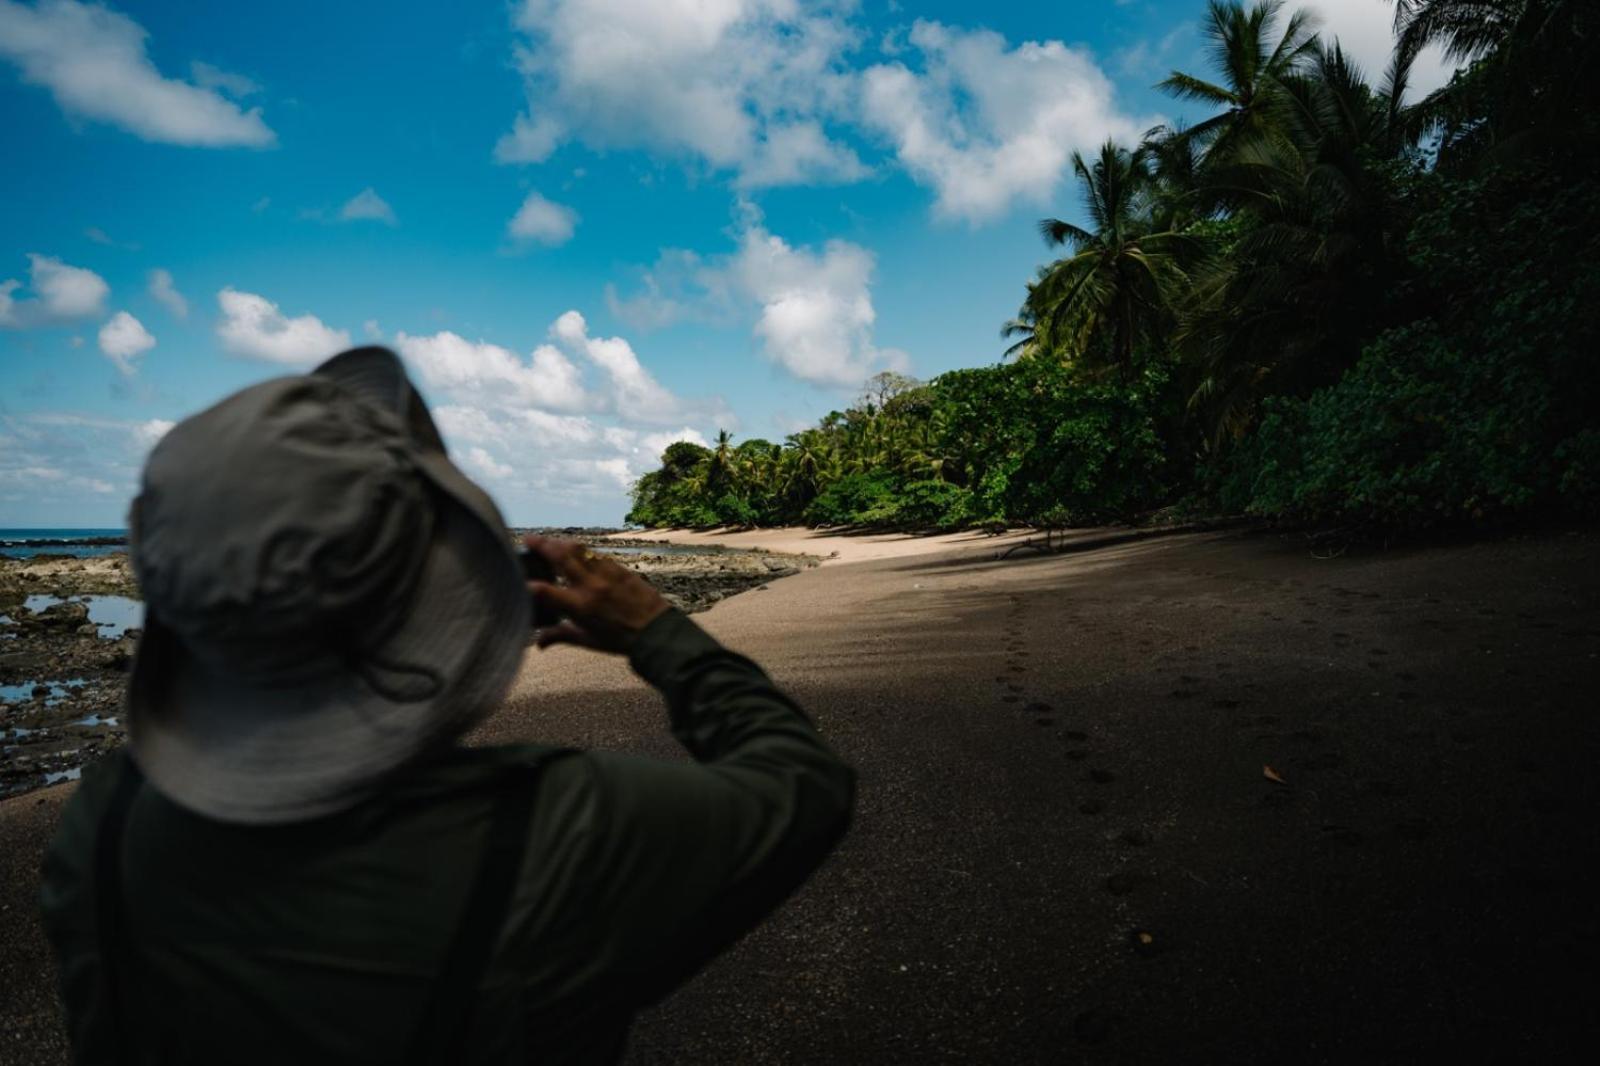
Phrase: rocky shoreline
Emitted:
{"points": [[69, 630]]}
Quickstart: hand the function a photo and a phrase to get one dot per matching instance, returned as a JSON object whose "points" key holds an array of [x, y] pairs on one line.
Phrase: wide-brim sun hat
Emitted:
{"points": [[327, 597]]}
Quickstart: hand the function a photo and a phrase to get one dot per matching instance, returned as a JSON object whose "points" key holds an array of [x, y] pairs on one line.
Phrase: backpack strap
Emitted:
{"points": [[110, 922], [482, 917]]}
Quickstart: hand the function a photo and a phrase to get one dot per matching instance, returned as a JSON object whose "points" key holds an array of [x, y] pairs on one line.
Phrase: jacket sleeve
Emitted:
{"points": [[684, 858]]}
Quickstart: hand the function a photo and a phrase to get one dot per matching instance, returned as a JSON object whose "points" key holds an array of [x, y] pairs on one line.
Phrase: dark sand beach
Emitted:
{"points": [[1067, 846]]}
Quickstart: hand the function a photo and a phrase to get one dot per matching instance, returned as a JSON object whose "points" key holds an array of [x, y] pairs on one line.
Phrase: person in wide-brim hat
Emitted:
{"points": [[294, 860], [327, 595]]}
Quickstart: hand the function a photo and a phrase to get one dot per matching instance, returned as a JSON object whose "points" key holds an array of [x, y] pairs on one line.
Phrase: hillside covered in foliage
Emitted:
{"points": [[1324, 302]]}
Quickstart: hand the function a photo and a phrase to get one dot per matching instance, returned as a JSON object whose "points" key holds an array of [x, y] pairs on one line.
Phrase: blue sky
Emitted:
{"points": [[589, 228]]}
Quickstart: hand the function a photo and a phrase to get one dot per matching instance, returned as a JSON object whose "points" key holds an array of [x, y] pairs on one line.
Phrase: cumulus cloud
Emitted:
{"points": [[367, 205], [535, 459], [541, 221], [164, 292], [987, 126], [812, 307], [253, 327], [487, 465], [816, 308], [530, 140], [575, 422], [740, 85], [634, 393], [60, 293], [93, 61], [122, 339], [491, 375]]}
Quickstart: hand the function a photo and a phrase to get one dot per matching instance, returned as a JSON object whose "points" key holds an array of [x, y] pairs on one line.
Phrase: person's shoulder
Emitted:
{"points": [[475, 770]]}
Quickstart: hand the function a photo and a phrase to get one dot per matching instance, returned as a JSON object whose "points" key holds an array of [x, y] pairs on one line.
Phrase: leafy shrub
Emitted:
{"points": [[933, 504], [856, 499]]}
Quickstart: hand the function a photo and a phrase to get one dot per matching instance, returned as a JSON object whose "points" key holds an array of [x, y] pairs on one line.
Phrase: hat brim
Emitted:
{"points": [[324, 740]]}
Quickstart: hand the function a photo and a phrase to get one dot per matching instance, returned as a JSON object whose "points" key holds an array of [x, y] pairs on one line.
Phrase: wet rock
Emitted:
{"points": [[88, 629], [119, 656], [67, 616]]}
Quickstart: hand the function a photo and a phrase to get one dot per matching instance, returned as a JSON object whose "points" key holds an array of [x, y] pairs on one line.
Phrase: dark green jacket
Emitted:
{"points": [[318, 941]]}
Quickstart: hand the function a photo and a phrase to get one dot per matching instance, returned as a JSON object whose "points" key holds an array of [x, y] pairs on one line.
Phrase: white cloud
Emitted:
{"points": [[531, 140], [988, 126], [209, 77], [487, 465], [816, 308], [371, 328], [541, 221], [740, 85], [151, 430], [537, 432], [634, 393], [1365, 30], [812, 307], [536, 458], [491, 375], [122, 339], [367, 205], [253, 327], [93, 61], [60, 293], [166, 293]]}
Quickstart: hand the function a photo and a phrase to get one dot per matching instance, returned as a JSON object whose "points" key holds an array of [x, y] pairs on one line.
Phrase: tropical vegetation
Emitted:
{"points": [[1325, 301]]}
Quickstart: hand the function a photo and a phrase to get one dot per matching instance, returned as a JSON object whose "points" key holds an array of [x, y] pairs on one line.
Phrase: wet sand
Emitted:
{"points": [[1067, 848]]}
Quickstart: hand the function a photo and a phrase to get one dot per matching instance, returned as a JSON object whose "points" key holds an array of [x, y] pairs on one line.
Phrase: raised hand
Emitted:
{"points": [[606, 605]]}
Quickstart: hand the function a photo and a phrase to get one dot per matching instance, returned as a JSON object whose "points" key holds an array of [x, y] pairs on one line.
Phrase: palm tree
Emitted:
{"points": [[1286, 308], [1528, 83], [721, 469], [1114, 290], [1253, 70]]}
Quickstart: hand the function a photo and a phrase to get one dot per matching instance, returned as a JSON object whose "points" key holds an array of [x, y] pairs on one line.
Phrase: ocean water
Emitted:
{"points": [[14, 542], [17, 543]]}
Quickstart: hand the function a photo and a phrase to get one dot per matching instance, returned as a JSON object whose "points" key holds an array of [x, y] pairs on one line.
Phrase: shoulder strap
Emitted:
{"points": [[467, 959], [111, 928]]}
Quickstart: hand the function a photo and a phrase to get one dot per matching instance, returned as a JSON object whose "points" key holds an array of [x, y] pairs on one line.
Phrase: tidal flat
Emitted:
{"points": [[70, 627]]}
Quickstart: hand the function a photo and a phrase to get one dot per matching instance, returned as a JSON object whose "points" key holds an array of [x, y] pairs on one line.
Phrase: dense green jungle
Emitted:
{"points": [[1326, 303]]}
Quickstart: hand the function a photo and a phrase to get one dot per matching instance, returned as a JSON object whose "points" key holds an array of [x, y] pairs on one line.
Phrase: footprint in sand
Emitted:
{"points": [[1077, 734], [1091, 807], [1102, 777], [1226, 705]]}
